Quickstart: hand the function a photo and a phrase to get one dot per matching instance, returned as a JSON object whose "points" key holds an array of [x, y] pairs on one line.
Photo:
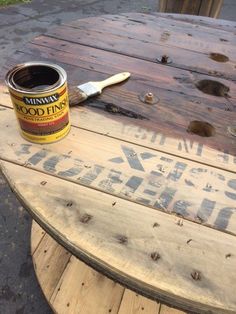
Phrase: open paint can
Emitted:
{"points": [[39, 95]]}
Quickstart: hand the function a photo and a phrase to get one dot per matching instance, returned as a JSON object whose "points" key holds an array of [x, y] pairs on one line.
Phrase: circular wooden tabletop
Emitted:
{"points": [[144, 193]]}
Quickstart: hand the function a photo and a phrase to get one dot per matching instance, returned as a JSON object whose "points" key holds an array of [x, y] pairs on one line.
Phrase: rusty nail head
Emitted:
{"points": [[148, 98], [164, 59]]}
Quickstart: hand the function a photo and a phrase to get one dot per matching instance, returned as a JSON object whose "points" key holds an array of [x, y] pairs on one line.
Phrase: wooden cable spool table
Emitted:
{"points": [[143, 189]]}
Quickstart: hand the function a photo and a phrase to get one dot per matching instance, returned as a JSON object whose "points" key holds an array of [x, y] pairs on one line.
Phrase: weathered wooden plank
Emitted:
{"points": [[169, 118], [168, 310], [117, 44], [158, 134], [37, 234], [162, 5], [103, 234], [148, 23], [45, 257], [94, 292], [81, 288], [205, 7], [225, 25], [216, 7], [136, 304], [151, 27], [153, 74], [171, 184], [180, 59], [190, 7]]}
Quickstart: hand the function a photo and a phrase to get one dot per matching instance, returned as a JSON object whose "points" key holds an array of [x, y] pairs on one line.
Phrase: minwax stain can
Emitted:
{"points": [[39, 95]]}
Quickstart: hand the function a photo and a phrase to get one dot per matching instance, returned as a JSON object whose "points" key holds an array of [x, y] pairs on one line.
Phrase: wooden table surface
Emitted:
{"points": [[136, 190]]}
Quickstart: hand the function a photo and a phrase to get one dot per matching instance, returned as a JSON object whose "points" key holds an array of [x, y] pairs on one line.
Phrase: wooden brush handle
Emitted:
{"points": [[75, 96], [117, 78]]}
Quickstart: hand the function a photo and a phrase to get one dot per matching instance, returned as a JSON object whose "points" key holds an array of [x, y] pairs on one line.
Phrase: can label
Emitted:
{"points": [[43, 117]]}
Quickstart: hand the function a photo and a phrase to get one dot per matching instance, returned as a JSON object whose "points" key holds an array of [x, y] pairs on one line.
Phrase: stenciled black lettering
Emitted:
{"points": [[180, 208], [223, 217], [111, 182], [73, 171], [39, 156], [133, 183], [23, 149], [232, 184], [206, 208], [50, 164], [132, 158], [177, 172], [91, 175], [165, 198]]}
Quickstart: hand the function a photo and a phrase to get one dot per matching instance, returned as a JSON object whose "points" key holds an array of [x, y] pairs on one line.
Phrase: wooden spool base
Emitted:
{"points": [[70, 286]]}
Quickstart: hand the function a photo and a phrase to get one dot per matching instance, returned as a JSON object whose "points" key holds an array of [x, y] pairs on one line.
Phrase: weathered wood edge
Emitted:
{"points": [[169, 301]]}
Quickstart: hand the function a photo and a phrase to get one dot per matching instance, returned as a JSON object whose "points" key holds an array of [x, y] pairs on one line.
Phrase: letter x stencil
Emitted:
{"points": [[134, 159]]}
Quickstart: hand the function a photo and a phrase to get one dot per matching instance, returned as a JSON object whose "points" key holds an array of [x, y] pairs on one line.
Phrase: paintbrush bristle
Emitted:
{"points": [[75, 96]]}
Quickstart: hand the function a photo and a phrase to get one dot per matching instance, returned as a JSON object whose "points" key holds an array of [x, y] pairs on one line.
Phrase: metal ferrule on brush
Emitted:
{"points": [[89, 89]]}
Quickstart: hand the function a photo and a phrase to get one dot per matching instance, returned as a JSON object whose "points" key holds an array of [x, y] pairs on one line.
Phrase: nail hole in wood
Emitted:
{"points": [[156, 224], [155, 256], [43, 182], [68, 304], [122, 239], [201, 128], [218, 57], [86, 218], [69, 204], [214, 88], [196, 275], [228, 255], [222, 39]]}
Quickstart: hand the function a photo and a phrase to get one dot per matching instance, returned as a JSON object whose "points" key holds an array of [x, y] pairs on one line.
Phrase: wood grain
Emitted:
{"points": [[131, 190], [103, 236], [220, 24], [205, 7], [216, 7], [171, 184], [37, 234], [135, 303], [82, 289], [151, 135]]}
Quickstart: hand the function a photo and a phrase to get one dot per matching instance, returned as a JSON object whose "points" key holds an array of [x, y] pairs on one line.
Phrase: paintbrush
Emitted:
{"points": [[77, 94]]}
